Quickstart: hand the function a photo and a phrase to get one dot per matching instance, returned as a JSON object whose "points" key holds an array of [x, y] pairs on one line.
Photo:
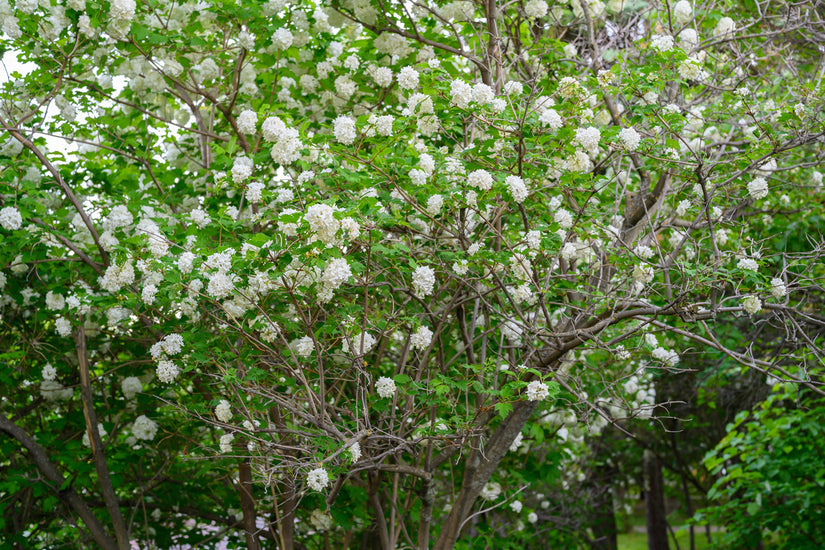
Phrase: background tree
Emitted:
{"points": [[308, 275]]}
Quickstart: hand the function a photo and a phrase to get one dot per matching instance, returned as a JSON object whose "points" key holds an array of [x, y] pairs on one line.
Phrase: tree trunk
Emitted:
{"points": [[479, 467], [655, 504], [599, 483]]}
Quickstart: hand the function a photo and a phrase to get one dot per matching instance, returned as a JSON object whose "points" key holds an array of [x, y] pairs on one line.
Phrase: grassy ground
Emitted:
{"points": [[638, 541]]}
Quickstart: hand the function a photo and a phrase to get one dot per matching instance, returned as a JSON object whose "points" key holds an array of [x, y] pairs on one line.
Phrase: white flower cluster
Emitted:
{"points": [[666, 356], [144, 428], [589, 139], [318, 479], [170, 345], [322, 222], [226, 443], [517, 187], [752, 305], [362, 341], [778, 288], [344, 129], [662, 42], [10, 218], [158, 245], [242, 169], [758, 188], [480, 179], [408, 78], [421, 338], [385, 387], [630, 138], [551, 118], [537, 391], [535, 8], [490, 491], [247, 122], [286, 147], [423, 281], [223, 411], [748, 264], [117, 276], [336, 273], [130, 386], [55, 301]]}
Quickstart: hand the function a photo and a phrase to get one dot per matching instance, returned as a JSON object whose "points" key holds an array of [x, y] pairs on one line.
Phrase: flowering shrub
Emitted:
{"points": [[334, 249]]}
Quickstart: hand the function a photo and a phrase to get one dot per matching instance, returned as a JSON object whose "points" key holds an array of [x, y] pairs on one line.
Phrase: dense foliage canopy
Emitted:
{"points": [[359, 273]]}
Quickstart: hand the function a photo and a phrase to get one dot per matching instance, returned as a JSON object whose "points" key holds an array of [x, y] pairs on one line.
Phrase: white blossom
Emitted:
{"points": [[778, 288], [421, 338], [318, 479], [385, 387], [144, 428], [423, 281], [758, 188], [537, 391], [226, 443], [223, 411], [752, 304], [130, 386], [10, 218], [518, 190]]}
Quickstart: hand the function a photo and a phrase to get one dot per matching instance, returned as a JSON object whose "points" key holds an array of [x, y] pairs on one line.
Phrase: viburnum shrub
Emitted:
{"points": [[331, 271]]}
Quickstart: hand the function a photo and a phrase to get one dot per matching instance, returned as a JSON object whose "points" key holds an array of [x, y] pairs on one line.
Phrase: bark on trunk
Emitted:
{"points": [[655, 504], [101, 466], [479, 466]]}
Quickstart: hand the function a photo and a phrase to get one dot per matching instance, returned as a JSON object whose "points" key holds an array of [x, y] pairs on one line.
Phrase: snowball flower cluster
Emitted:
{"points": [[666, 356], [223, 411], [421, 338], [537, 391], [662, 42], [322, 222], [490, 491], [423, 281], [144, 428], [171, 344], [247, 122], [758, 188], [748, 264], [535, 8], [10, 218], [724, 26], [130, 386], [117, 276], [363, 341], [408, 78], [49, 372], [303, 346], [385, 387], [282, 38], [551, 118], [242, 169], [518, 190], [630, 138], [287, 145], [752, 305], [682, 12], [480, 179], [55, 301], [226, 443], [336, 273], [778, 288], [318, 479], [344, 130], [122, 10], [588, 138], [564, 218]]}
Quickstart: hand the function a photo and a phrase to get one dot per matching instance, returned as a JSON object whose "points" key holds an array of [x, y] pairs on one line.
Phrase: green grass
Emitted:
{"points": [[638, 541]]}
